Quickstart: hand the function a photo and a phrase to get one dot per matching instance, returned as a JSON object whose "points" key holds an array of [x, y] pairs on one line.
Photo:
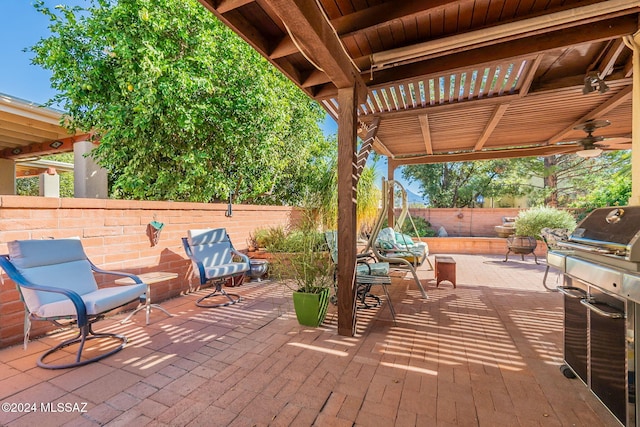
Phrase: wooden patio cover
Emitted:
{"points": [[453, 79], [447, 80]]}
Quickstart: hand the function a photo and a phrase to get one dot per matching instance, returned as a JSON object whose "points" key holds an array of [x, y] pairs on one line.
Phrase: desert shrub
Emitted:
{"points": [[531, 221]]}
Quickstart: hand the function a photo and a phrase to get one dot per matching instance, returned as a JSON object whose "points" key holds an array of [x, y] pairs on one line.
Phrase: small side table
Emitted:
{"points": [[445, 270], [148, 279]]}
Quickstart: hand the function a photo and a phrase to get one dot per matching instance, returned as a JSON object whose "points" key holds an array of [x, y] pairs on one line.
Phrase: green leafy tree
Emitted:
{"points": [[182, 107], [448, 185], [558, 181], [570, 180], [611, 187]]}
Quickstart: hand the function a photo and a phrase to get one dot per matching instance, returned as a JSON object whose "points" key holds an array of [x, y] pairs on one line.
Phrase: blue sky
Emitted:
{"points": [[22, 27]]}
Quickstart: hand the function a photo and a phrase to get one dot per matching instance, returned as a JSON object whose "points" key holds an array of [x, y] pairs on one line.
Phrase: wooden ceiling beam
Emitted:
{"points": [[380, 148], [225, 6], [505, 31], [610, 57], [29, 115], [240, 26], [604, 108], [315, 78], [312, 32], [525, 86], [249, 33], [502, 51], [426, 133], [31, 127], [62, 145], [491, 125], [29, 172], [380, 15], [285, 47], [568, 82], [537, 151]]}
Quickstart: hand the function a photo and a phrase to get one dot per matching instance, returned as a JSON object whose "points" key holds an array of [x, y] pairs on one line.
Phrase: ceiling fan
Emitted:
{"points": [[593, 146]]}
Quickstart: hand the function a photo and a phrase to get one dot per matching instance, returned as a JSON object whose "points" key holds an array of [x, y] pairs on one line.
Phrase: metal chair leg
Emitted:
{"points": [[390, 304], [85, 334], [219, 292]]}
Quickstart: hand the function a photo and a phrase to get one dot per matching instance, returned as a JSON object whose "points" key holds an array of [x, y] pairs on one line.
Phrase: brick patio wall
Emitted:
{"points": [[114, 236], [113, 233], [465, 221]]}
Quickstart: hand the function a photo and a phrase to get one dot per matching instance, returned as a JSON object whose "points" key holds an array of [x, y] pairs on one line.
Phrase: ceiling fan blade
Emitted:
{"points": [[614, 147], [615, 141]]}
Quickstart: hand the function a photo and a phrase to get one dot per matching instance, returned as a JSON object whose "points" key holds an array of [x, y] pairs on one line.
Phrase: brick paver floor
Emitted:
{"points": [[484, 354]]}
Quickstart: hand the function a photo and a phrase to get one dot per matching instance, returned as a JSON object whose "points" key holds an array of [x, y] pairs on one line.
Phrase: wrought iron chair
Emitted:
{"points": [[211, 253], [368, 273], [56, 282]]}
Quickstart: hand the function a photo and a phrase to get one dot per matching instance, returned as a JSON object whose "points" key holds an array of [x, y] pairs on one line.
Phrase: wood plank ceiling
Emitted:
{"points": [[454, 80], [28, 131]]}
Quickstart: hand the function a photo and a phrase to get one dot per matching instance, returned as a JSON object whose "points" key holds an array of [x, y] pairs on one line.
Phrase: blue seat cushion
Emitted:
{"points": [[373, 268], [224, 270], [99, 301]]}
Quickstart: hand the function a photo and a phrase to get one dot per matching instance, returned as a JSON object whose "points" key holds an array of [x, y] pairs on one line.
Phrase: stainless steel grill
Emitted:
{"points": [[600, 261]]}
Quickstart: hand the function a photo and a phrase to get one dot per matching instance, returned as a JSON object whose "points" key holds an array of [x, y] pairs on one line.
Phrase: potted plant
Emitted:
{"points": [[304, 266], [529, 224]]}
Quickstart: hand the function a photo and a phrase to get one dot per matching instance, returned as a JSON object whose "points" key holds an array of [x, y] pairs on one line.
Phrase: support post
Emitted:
{"points": [[89, 179], [391, 214], [49, 182], [7, 177], [347, 100], [634, 42]]}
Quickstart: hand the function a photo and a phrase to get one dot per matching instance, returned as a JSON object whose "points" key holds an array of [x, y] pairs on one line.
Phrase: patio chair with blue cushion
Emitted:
{"points": [[368, 274], [212, 255], [56, 282], [399, 258], [394, 244]]}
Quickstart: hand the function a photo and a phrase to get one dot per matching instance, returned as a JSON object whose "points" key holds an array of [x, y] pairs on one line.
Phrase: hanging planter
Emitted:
{"points": [[311, 308]]}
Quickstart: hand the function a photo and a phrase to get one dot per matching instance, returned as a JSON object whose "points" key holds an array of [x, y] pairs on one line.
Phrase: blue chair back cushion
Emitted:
{"points": [[59, 263], [208, 236], [213, 249], [62, 263]]}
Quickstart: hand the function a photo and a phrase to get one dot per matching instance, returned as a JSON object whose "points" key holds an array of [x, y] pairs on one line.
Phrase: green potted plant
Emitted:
{"points": [[529, 223], [303, 265]]}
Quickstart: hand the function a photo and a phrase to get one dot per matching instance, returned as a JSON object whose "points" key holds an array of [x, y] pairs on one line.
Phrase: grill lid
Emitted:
{"points": [[615, 228]]}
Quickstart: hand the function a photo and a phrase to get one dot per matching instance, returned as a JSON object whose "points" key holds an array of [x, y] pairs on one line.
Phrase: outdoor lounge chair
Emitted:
{"points": [[394, 244], [397, 262], [368, 273], [212, 255], [56, 281]]}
